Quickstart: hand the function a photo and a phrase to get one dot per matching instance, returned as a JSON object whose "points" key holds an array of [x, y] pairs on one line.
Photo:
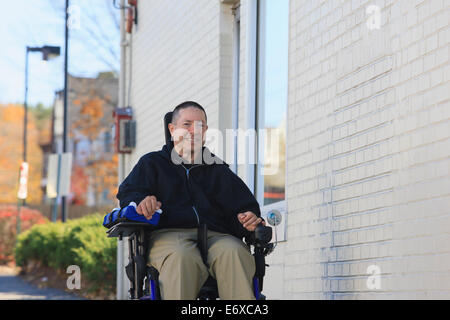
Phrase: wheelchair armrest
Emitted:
{"points": [[126, 228]]}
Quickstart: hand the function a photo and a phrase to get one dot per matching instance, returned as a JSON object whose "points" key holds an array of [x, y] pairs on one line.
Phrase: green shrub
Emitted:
{"points": [[82, 242], [40, 243]]}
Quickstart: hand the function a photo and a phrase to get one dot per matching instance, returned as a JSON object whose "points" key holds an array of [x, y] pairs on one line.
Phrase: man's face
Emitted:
{"points": [[189, 129]]}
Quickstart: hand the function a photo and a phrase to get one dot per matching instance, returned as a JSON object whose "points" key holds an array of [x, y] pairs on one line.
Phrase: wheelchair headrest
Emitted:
{"points": [[167, 120]]}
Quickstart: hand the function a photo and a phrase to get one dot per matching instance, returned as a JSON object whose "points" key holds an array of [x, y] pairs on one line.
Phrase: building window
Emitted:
{"points": [[271, 101]]}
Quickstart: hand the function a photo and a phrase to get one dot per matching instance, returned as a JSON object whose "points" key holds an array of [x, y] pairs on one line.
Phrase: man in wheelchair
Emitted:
{"points": [[206, 212]]}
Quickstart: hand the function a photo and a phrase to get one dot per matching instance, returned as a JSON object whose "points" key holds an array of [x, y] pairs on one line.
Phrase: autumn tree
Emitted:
{"points": [[103, 177], [11, 153], [78, 185]]}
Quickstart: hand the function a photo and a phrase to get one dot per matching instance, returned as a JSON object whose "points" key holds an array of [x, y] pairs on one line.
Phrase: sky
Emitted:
{"points": [[93, 45]]}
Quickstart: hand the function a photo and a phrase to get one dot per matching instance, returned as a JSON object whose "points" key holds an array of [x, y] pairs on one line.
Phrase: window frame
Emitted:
{"points": [[258, 116], [236, 83]]}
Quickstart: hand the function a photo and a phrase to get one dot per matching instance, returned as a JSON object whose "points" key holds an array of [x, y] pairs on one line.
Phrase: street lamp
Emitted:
{"points": [[48, 52]]}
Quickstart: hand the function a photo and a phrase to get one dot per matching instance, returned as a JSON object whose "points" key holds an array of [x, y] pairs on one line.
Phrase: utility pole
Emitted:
{"points": [[66, 55]]}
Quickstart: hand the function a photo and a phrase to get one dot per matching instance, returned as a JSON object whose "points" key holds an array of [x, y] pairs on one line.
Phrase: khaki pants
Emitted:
{"points": [[174, 253]]}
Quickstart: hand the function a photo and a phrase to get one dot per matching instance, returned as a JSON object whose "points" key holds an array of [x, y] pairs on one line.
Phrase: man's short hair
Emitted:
{"points": [[184, 105]]}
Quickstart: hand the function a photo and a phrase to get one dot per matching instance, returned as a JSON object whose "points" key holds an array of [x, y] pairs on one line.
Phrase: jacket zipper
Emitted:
{"points": [[196, 214], [193, 206]]}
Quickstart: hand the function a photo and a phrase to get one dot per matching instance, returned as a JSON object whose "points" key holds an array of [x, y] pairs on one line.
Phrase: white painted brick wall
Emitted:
{"points": [[369, 147], [368, 142]]}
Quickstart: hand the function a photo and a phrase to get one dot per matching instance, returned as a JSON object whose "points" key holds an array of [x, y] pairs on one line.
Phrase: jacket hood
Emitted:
{"points": [[208, 158]]}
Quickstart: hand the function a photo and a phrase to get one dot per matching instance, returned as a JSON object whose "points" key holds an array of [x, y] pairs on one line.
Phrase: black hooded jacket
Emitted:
{"points": [[190, 194]]}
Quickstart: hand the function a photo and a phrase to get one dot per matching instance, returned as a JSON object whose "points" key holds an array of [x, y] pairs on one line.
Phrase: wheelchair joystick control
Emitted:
{"points": [[263, 235]]}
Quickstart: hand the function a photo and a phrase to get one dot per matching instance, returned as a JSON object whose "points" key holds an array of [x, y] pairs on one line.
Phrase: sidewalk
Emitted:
{"points": [[12, 287]]}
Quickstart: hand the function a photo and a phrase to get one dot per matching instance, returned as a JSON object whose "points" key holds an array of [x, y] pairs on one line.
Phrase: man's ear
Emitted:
{"points": [[171, 128]]}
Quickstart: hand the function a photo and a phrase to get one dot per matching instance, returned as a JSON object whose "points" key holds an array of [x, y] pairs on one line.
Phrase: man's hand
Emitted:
{"points": [[249, 220], [148, 206]]}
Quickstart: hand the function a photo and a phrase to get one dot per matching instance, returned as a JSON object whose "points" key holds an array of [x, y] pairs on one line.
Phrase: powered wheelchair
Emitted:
{"points": [[144, 284]]}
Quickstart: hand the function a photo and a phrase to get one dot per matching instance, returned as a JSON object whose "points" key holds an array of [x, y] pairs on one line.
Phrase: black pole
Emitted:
{"points": [[25, 125], [25, 105], [66, 51], [25, 115]]}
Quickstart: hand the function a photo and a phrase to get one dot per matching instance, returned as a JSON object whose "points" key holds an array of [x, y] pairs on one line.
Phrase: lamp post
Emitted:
{"points": [[48, 52]]}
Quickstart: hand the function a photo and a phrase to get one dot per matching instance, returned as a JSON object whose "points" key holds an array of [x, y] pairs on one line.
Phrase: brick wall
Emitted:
{"points": [[368, 151]]}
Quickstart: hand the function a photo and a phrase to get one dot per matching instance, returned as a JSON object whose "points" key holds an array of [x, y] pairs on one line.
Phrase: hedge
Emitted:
{"points": [[82, 242]]}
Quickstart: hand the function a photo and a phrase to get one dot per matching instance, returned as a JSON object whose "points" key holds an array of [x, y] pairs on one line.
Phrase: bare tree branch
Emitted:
{"points": [[112, 12], [101, 37], [92, 34]]}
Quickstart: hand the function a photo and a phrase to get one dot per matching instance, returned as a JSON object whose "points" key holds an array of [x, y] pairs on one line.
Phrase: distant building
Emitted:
{"points": [[90, 108]]}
